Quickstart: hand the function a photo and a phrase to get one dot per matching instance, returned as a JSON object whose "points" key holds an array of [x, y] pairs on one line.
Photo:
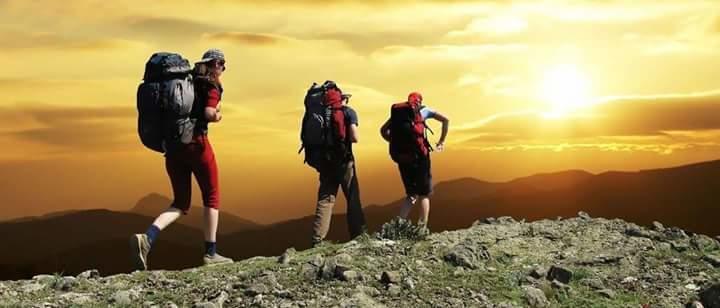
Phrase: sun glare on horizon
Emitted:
{"points": [[565, 88]]}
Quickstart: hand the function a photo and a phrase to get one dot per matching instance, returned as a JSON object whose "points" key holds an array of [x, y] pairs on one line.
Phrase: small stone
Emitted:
{"points": [[287, 256], [658, 226], [65, 283], [317, 260], [170, 305], [44, 279], [560, 274], [390, 277], [409, 283], [394, 290], [205, 305], [506, 220], [607, 293], [468, 255], [309, 271], [710, 297], [124, 297], [629, 280], [535, 297], [538, 272], [713, 260], [636, 231], [694, 304], [584, 215], [676, 233], [256, 289], [343, 258], [679, 246], [703, 243], [89, 274], [692, 287], [349, 276], [220, 300], [489, 220], [283, 294], [327, 271]]}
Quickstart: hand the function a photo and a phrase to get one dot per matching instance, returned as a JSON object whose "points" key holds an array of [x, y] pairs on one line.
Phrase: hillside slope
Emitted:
{"points": [[577, 262]]}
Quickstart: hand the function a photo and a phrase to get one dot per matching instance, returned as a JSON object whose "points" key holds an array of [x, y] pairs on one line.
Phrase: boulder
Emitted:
{"points": [[710, 297], [390, 277], [89, 274], [467, 255], [535, 297], [560, 274]]}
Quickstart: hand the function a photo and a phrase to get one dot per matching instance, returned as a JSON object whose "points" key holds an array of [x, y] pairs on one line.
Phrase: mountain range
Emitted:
{"points": [[72, 241]]}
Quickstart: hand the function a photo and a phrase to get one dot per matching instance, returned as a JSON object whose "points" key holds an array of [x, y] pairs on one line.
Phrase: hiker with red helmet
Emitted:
{"points": [[329, 130], [410, 149], [190, 153]]}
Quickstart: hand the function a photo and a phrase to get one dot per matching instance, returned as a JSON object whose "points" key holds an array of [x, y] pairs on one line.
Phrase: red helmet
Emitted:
{"points": [[415, 97]]}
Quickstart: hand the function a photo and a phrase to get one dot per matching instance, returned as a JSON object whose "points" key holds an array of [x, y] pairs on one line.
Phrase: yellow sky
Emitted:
{"points": [[648, 95]]}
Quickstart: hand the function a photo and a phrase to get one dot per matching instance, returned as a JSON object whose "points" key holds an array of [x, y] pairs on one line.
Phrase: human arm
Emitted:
{"points": [[212, 109], [385, 131], [445, 128], [354, 133]]}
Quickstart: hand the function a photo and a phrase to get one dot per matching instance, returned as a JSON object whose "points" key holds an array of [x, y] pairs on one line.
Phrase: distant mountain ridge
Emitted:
{"points": [[685, 196], [154, 204]]}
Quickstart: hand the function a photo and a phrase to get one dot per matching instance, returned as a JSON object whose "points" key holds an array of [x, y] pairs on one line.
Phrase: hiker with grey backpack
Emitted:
{"points": [[329, 129], [406, 132], [175, 104]]}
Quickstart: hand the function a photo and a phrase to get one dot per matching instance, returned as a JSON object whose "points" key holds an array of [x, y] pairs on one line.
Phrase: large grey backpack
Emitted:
{"points": [[164, 102]]}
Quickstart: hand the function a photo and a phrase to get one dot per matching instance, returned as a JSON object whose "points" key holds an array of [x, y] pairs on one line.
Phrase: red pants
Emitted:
{"points": [[195, 158]]}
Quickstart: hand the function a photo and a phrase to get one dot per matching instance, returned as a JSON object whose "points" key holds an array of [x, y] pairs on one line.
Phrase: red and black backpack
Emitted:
{"points": [[408, 140], [324, 131]]}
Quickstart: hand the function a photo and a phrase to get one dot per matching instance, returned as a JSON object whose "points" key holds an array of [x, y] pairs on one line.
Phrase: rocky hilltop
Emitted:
{"points": [[575, 262]]}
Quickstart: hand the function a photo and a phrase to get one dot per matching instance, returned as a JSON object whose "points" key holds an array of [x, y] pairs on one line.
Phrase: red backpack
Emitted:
{"points": [[408, 140], [324, 131]]}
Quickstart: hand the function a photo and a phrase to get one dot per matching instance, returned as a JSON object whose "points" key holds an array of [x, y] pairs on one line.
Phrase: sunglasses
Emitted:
{"points": [[220, 63]]}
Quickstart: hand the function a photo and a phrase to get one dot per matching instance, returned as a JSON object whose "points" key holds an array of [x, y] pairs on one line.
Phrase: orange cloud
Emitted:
{"points": [[247, 38], [655, 123]]}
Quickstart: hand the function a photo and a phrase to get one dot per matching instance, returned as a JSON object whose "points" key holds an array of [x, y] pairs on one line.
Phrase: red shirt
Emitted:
{"points": [[213, 98]]}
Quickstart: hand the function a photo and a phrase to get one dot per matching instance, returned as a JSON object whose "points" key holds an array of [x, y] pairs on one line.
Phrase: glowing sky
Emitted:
{"points": [[529, 86]]}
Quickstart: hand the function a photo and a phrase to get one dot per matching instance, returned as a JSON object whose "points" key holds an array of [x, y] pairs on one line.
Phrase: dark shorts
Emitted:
{"points": [[417, 177]]}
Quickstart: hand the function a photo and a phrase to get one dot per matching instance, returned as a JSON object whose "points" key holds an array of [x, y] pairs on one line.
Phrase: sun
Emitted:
{"points": [[565, 88]]}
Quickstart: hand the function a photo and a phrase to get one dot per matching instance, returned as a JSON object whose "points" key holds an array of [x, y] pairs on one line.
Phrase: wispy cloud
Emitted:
{"points": [[245, 38], [659, 121]]}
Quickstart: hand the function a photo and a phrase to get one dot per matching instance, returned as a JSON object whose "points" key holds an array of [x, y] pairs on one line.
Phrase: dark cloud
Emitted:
{"points": [[93, 128], [245, 38], [164, 27], [641, 117], [52, 115], [77, 127], [80, 136], [664, 114], [17, 40]]}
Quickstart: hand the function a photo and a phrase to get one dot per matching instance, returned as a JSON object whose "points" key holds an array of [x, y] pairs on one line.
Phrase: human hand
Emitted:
{"points": [[440, 146]]}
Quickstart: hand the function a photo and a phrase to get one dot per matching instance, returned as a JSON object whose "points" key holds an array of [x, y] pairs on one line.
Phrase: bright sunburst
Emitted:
{"points": [[565, 88]]}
